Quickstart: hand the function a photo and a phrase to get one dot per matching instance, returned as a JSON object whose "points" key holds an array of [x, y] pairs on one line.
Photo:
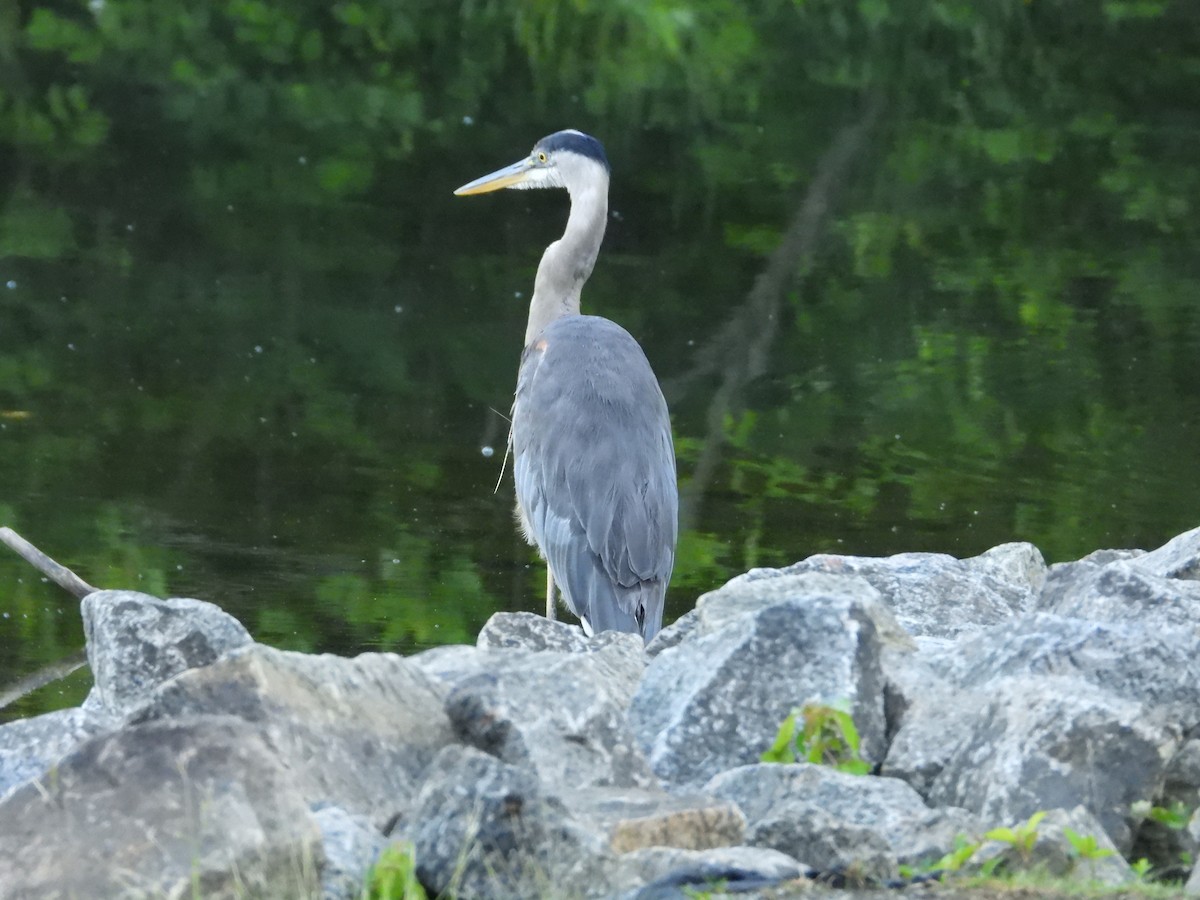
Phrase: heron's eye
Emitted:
{"points": [[541, 157]]}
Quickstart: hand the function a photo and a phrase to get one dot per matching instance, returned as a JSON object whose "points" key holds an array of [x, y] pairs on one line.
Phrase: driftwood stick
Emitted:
{"points": [[59, 574]]}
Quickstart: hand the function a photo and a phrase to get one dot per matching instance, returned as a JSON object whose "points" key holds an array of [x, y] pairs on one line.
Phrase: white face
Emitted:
{"points": [[561, 169]]}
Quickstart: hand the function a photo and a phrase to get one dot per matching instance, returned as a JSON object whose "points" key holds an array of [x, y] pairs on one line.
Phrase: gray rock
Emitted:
{"points": [[1104, 557], [1158, 668], [927, 724], [1046, 742], [1122, 592], [28, 747], [629, 819], [675, 633], [836, 821], [355, 733], [659, 873], [761, 647], [135, 642], [935, 595], [143, 811], [580, 738], [482, 828], [530, 632], [450, 663], [351, 845], [1177, 558]]}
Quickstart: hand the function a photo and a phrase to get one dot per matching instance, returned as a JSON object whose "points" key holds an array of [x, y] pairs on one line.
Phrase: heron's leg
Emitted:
{"points": [[551, 609]]}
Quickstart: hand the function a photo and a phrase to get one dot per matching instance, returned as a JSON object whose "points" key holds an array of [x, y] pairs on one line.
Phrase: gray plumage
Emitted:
{"points": [[591, 435]]}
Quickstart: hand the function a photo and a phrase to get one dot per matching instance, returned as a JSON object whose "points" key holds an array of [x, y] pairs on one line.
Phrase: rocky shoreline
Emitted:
{"points": [[542, 763]]}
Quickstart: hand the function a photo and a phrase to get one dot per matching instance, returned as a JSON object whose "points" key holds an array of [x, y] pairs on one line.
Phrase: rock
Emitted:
{"points": [[1177, 558], [935, 595], [1044, 742], [1054, 851], [530, 632], [28, 747], [761, 648], [664, 873], [927, 725], [145, 810], [351, 844], [450, 663], [840, 822], [1157, 668], [482, 828], [629, 819], [135, 642], [675, 633], [354, 733], [499, 704], [1122, 592]]}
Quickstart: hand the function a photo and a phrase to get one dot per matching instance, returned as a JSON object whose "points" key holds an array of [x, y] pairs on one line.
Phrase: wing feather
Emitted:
{"points": [[595, 471]]}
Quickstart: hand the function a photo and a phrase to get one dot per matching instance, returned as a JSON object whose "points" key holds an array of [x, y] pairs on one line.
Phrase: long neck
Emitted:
{"points": [[568, 262]]}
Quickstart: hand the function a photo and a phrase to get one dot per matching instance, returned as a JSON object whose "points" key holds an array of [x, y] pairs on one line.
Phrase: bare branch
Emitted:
{"points": [[59, 574]]}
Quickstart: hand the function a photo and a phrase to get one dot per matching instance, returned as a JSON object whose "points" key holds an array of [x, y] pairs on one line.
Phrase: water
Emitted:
{"points": [[225, 376]]}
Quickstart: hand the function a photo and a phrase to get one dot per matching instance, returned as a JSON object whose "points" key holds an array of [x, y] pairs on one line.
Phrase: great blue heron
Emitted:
{"points": [[591, 437]]}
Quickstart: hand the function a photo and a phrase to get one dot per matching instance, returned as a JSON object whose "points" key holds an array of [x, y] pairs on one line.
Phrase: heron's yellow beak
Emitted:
{"points": [[501, 178]]}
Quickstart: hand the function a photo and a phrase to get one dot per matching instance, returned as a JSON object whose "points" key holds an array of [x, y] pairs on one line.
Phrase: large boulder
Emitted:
{"points": [[757, 649], [482, 828], [355, 733], [135, 642], [162, 809], [499, 700], [1044, 742], [28, 747], [937, 596], [835, 821], [1122, 591], [1156, 667]]}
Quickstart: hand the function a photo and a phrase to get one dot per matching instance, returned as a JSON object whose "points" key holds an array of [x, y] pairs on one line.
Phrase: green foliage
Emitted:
{"points": [[964, 850], [1175, 817], [821, 734], [1021, 837], [1085, 846], [394, 875], [1141, 868]]}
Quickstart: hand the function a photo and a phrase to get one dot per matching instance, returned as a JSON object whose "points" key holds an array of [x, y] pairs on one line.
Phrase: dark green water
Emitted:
{"points": [[252, 349]]}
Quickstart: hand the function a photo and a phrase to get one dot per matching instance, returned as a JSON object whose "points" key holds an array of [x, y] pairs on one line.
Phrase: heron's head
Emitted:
{"points": [[566, 159]]}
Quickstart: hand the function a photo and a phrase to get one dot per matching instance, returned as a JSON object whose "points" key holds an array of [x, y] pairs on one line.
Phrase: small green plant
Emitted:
{"points": [[822, 734], [1085, 846], [1020, 837], [394, 876], [1141, 869], [964, 849], [713, 888], [1175, 817]]}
